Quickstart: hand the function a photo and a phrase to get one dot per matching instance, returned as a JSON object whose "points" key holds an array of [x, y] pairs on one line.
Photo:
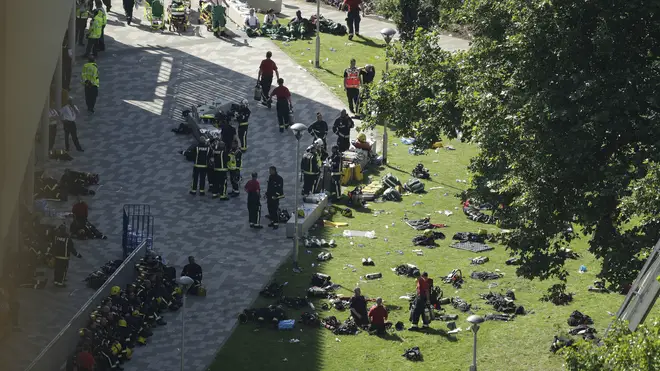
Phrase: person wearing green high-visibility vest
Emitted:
{"points": [[104, 21], [83, 11], [94, 34], [90, 78]]}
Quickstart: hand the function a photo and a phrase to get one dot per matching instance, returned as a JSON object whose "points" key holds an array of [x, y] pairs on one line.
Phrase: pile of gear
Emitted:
{"points": [[428, 238], [300, 29], [272, 290], [472, 241], [423, 224], [407, 270], [96, 279], [272, 315], [580, 325], [74, 183], [125, 319], [504, 303], [293, 302], [413, 354], [420, 172], [455, 278], [479, 260], [461, 304], [485, 276], [348, 327], [321, 286], [393, 188], [476, 214]]}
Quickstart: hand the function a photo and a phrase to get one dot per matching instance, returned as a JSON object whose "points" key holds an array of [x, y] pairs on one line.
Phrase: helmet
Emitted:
{"points": [[115, 290], [362, 137], [178, 291], [244, 102], [428, 233], [318, 143], [335, 148], [347, 212], [122, 323], [301, 213]]}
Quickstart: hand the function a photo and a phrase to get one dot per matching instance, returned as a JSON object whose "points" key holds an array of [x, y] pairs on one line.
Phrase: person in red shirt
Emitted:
{"points": [[352, 17], [265, 77], [85, 360], [421, 301], [253, 190], [377, 317], [284, 105]]}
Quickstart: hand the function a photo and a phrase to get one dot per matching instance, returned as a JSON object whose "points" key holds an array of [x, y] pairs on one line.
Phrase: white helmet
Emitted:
{"points": [[244, 102], [318, 143]]}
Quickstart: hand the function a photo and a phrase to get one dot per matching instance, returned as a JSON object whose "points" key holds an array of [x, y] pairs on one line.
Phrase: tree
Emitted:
{"points": [[621, 351], [409, 15], [562, 99]]}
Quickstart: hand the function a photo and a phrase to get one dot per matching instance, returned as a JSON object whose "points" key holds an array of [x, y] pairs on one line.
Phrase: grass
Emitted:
{"points": [[519, 345]]}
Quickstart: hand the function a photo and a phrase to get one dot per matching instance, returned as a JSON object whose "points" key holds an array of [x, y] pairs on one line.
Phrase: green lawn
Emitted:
{"points": [[519, 345]]}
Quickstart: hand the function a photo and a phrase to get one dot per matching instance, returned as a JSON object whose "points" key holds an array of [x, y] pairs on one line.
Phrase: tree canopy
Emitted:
{"points": [[562, 99]]}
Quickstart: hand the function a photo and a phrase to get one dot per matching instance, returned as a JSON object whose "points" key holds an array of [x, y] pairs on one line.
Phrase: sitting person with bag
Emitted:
{"points": [[194, 271]]}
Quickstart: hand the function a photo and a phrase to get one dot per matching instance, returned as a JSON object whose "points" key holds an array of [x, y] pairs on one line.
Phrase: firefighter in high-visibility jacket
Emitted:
{"points": [[90, 79], [235, 164], [242, 114], [62, 249], [203, 155], [309, 165], [335, 161], [352, 86], [220, 171]]}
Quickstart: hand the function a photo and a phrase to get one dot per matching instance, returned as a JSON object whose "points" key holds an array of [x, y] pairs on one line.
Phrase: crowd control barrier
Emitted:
{"points": [[137, 227]]}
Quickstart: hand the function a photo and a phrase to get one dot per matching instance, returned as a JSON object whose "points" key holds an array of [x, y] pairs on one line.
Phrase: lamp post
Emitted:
{"points": [[185, 282], [317, 62], [475, 321], [298, 130], [388, 34]]}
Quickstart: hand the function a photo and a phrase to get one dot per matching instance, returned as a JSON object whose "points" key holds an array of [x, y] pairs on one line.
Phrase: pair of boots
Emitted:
{"points": [[368, 262]]}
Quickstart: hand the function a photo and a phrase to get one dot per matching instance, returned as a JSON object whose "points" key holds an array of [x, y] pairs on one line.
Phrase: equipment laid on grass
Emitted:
{"points": [[471, 246]]}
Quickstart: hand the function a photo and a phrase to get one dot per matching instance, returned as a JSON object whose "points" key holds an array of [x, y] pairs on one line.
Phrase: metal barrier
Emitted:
{"points": [[55, 354], [137, 226]]}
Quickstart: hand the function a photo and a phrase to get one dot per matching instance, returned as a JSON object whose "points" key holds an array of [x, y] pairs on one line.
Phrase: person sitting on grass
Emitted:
{"points": [[270, 19], [358, 307], [252, 26], [378, 318]]}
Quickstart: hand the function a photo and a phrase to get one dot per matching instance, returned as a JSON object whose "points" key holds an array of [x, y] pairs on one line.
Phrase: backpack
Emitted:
{"points": [[391, 181], [414, 185], [283, 215], [391, 194]]}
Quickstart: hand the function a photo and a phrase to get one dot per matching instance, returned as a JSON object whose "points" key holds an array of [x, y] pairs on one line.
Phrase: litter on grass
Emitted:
{"points": [[352, 233]]}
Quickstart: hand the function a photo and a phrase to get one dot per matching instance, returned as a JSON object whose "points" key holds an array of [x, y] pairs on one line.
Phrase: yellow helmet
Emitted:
{"points": [[129, 353], [82, 332], [348, 213], [428, 233], [301, 213], [362, 137], [115, 290], [136, 313], [142, 340], [122, 323], [116, 348], [178, 291]]}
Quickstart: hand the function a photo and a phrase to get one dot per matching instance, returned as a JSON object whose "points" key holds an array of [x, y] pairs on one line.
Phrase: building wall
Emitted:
{"points": [[30, 50]]}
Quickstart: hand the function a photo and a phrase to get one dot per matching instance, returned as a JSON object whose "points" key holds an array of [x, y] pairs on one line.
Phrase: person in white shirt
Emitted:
{"points": [[251, 21], [270, 19], [68, 115]]}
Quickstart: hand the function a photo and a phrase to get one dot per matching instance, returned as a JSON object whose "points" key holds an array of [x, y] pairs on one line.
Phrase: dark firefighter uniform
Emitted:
{"points": [[242, 115], [342, 127], [335, 172], [220, 170], [274, 192], [235, 163], [253, 190], [203, 154], [309, 165], [62, 249], [319, 130]]}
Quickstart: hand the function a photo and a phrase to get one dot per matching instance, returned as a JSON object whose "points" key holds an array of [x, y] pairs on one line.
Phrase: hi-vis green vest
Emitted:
{"points": [[95, 27], [90, 73], [82, 10]]}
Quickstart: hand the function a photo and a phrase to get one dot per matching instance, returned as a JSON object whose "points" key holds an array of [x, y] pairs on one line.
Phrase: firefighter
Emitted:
{"points": [[203, 155], [309, 166], [274, 192], [62, 249], [319, 129], [342, 127], [253, 190], [242, 115], [352, 86], [235, 163], [283, 106], [335, 161], [220, 170]]}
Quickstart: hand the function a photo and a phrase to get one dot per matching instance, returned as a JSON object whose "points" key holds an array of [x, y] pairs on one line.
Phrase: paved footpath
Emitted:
{"points": [[147, 78]]}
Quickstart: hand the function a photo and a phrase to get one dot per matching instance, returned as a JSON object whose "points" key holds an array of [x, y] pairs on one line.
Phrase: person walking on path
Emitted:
{"points": [[352, 16], [68, 115], [265, 77], [90, 78], [219, 16], [253, 190], [352, 86], [128, 10], [284, 105]]}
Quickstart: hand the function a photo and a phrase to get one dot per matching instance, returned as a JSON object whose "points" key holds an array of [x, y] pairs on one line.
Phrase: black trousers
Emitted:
{"points": [[61, 268], [52, 134], [266, 83], [353, 95], [273, 210], [353, 22], [343, 143], [102, 39], [128, 10], [219, 183], [91, 93], [283, 114], [108, 4], [254, 212], [235, 177], [81, 26], [199, 176], [92, 46], [309, 183], [70, 130], [336, 186], [420, 306], [242, 136]]}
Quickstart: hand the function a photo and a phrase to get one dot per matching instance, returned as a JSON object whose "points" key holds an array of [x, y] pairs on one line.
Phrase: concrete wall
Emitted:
{"points": [[29, 54]]}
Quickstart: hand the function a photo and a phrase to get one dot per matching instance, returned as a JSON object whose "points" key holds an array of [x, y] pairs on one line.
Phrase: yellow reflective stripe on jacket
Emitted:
{"points": [[201, 166], [243, 124], [310, 173]]}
